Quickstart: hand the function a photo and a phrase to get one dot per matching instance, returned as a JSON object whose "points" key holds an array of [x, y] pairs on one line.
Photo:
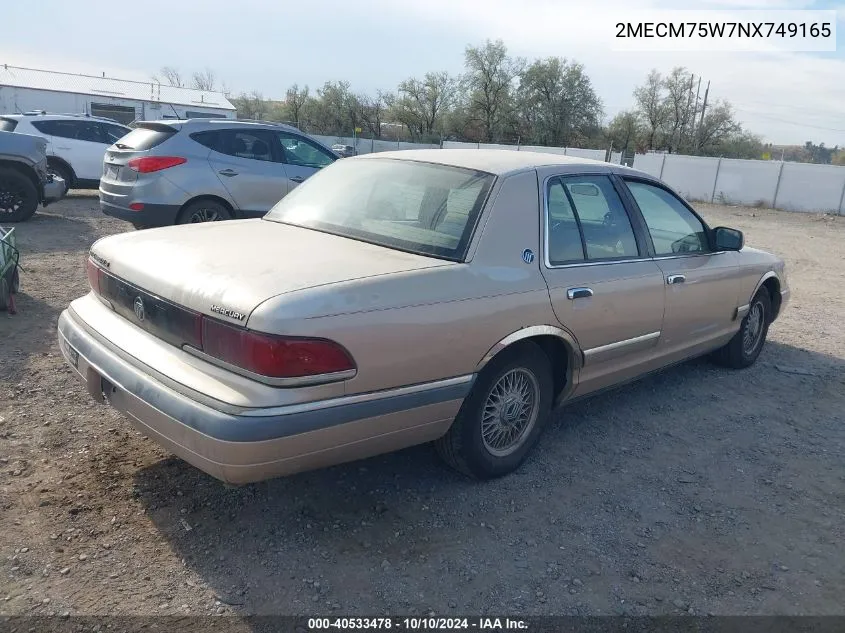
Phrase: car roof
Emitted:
{"points": [[59, 117], [212, 122], [494, 161]]}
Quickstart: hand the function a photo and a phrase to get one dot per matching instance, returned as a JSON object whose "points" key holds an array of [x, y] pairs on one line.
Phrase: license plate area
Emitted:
{"points": [[71, 354]]}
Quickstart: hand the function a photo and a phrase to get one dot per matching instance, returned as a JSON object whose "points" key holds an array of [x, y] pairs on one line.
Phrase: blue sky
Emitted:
{"points": [[267, 46]]}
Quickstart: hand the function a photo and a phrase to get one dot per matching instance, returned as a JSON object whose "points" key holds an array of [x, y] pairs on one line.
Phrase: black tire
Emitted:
{"points": [[464, 447], [18, 196], [140, 227], [211, 210], [5, 294], [57, 168], [744, 348]]}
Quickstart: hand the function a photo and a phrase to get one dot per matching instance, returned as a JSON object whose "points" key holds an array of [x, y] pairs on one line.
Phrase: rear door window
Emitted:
{"points": [[212, 139], [249, 144], [88, 131], [564, 233], [76, 130], [113, 133], [587, 220], [51, 128]]}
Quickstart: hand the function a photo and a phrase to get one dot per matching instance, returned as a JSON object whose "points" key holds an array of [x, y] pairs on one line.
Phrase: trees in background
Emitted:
{"points": [[420, 104], [200, 80], [556, 103], [674, 117], [503, 99], [498, 98]]}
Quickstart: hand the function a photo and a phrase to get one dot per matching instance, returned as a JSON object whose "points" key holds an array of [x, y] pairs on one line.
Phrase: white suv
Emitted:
{"points": [[75, 143]]}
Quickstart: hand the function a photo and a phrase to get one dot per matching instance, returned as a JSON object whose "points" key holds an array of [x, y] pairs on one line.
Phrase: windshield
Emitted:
{"points": [[412, 206]]}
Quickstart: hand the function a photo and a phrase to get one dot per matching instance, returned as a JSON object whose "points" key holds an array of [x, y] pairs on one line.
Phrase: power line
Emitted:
{"points": [[796, 123], [788, 106]]}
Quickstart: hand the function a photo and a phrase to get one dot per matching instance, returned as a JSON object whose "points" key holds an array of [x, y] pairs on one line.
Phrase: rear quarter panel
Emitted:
{"points": [[425, 325]]}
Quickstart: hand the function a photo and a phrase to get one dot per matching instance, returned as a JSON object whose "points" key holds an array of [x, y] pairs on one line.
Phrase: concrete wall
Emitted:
{"points": [[811, 188], [748, 182], [367, 146], [652, 164], [793, 187], [788, 186], [691, 176], [16, 100]]}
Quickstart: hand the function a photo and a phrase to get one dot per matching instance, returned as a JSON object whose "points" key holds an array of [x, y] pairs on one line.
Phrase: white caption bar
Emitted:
{"points": [[742, 30]]}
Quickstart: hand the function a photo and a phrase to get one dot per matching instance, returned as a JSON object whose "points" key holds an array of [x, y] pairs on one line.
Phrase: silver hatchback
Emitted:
{"points": [[202, 170]]}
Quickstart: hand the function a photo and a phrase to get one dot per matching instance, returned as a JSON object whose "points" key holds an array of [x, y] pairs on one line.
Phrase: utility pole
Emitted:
{"points": [[695, 112], [703, 110], [687, 113]]}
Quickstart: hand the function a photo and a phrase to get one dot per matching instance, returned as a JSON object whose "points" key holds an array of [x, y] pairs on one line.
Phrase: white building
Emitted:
{"points": [[27, 89]]}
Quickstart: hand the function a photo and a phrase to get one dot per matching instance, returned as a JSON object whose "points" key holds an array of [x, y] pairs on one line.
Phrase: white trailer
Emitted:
{"points": [[28, 89]]}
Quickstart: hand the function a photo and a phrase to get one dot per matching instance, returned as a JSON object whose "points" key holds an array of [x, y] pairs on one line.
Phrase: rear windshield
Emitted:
{"points": [[144, 138], [412, 206], [7, 125]]}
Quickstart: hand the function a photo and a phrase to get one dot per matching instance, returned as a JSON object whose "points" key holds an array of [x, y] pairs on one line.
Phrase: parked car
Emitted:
{"points": [[24, 180], [453, 296], [345, 151], [201, 170], [75, 143]]}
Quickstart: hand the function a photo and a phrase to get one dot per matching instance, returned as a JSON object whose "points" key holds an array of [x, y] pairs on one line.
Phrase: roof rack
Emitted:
{"points": [[73, 114], [265, 122]]}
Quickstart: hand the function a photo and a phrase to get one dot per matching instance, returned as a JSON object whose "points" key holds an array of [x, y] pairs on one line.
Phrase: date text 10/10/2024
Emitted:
{"points": [[417, 624]]}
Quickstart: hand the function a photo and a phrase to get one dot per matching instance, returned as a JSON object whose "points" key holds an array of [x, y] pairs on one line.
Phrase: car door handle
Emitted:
{"points": [[579, 293], [61, 147], [298, 179], [228, 172], [675, 279]]}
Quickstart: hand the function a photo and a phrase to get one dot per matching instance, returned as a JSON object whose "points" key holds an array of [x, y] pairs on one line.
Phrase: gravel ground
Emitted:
{"points": [[698, 490]]}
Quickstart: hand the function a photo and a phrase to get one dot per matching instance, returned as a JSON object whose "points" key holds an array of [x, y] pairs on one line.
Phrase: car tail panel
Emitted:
{"points": [[163, 319], [264, 357], [120, 172]]}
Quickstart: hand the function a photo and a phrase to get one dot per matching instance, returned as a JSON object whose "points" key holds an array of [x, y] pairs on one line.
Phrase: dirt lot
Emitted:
{"points": [[700, 490]]}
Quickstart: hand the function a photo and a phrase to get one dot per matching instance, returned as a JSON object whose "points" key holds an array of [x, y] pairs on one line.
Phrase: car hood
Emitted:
{"points": [[237, 265]]}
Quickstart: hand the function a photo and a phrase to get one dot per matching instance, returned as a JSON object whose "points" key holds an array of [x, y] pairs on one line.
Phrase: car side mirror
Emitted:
{"points": [[728, 239]]}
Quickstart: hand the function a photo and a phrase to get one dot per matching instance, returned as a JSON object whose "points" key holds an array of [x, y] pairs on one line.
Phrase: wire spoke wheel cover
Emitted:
{"points": [[510, 412], [753, 328]]}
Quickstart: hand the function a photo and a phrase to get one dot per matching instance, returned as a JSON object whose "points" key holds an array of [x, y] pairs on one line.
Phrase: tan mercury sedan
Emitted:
{"points": [[454, 296]]}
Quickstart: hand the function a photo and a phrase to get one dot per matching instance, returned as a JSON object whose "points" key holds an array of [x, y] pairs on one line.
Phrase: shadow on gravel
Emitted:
{"points": [[380, 532], [49, 231], [35, 321]]}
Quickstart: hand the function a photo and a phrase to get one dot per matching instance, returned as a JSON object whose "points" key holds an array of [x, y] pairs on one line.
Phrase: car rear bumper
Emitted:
{"points": [[150, 215], [260, 443], [54, 190]]}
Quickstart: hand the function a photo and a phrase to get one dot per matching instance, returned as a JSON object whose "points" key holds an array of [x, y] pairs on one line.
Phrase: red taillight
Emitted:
{"points": [[137, 206], [147, 164], [94, 273], [273, 356]]}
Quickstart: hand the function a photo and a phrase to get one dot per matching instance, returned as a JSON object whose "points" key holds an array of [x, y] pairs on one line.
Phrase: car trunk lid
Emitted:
{"points": [[117, 177], [226, 269]]}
